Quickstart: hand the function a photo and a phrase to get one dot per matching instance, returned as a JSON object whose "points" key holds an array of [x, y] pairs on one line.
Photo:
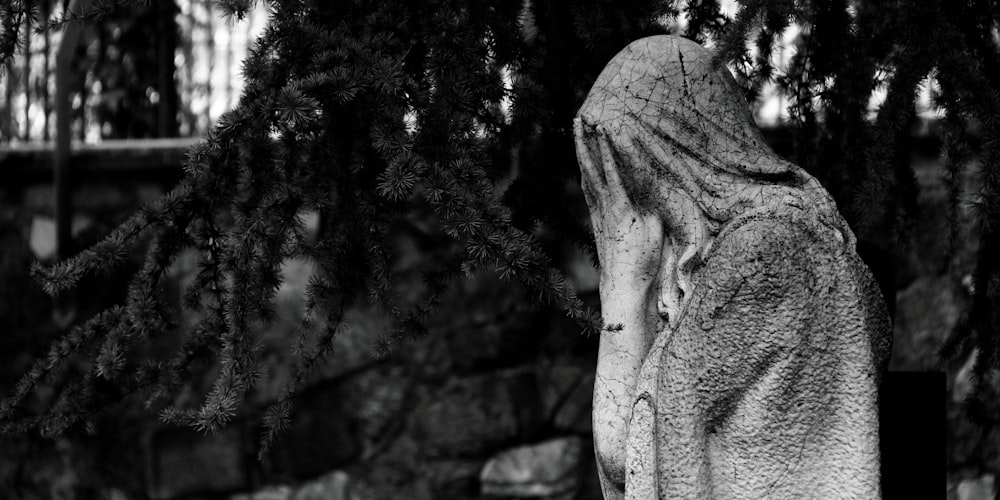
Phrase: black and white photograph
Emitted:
{"points": [[499, 249]]}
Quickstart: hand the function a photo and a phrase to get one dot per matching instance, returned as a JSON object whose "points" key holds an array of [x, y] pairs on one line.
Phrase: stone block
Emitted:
{"points": [[373, 401], [963, 436], [545, 469], [187, 462], [483, 298], [354, 348], [276, 492], [331, 486], [399, 471], [321, 437], [926, 313], [575, 412], [42, 239], [964, 383], [453, 478], [472, 415], [981, 488], [354, 345], [500, 343], [567, 390]]}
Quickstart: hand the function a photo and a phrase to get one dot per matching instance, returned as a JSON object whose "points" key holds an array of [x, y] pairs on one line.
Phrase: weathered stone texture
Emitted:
{"points": [[926, 314], [331, 486], [981, 488], [476, 413], [189, 463], [567, 391], [322, 436], [545, 469], [365, 428], [746, 337]]}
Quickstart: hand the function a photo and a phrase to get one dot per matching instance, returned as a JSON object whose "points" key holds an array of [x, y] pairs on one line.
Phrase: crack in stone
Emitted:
{"points": [[680, 58], [693, 213]]}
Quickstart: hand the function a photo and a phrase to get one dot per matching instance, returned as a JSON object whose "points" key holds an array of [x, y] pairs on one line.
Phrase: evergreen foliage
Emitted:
{"points": [[847, 50], [364, 112], [117, 59]]}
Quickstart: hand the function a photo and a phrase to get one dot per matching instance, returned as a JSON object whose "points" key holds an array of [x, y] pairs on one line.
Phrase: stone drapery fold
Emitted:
{"points": [[764, 383]]}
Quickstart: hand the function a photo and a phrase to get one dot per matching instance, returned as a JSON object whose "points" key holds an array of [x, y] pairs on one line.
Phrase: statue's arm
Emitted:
{"points": [[770, 349], [757, 303], [629, 309], [630, 247], [733, 332]]}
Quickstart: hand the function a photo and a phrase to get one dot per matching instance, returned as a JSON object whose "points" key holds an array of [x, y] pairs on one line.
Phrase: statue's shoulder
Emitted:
{"points": [[774, 235], [770, 257], [768, 271]]}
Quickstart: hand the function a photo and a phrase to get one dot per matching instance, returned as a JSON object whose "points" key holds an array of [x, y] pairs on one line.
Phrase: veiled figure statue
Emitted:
{"points": [[745, 336]]}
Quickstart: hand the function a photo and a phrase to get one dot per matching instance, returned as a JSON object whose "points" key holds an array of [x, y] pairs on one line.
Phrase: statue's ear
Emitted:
{"points": [[675, 281], [668, 300]]}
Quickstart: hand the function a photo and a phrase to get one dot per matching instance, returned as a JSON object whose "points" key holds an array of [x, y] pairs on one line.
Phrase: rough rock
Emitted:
{"points": [[926, 313], [964, 383], [542, 470], [705, 234], [113, 494], [353, 345], [501, 342], [963, 436], [189, 463], [399, 471], [567, 390], [275, 492], [473, 414], [574, 414], [373, 401], [483, 328], [321, 437], [981, 488], [332, 486], [42, 239], [453, 478]]}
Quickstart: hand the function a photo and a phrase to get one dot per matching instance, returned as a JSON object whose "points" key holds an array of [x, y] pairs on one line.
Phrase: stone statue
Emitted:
{"points": [[745, 337]]}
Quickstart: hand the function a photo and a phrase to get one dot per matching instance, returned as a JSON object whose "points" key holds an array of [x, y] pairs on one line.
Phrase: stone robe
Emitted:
{"points": [[764, 382], [767, 388]]}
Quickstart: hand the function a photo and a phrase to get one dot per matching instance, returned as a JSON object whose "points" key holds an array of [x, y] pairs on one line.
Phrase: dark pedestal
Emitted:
{"points": [[913, 435]]}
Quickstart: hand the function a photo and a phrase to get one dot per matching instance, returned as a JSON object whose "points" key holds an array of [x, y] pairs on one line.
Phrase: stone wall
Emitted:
{"points": [[495, 404], [934, 292]]}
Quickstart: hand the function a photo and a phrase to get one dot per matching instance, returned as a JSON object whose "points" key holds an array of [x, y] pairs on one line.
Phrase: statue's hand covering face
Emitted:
{"points": [[763, 383], [675, 118]]}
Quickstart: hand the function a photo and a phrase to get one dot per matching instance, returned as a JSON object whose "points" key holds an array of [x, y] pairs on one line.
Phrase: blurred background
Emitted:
{"points": [[495, 404]]}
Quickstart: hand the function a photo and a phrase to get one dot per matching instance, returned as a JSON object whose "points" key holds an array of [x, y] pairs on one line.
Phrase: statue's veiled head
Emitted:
{"points": [[678, 126]]}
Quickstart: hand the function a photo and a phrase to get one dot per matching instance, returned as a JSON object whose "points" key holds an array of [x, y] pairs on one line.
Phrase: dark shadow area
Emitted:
{"points": [[913, 429]]}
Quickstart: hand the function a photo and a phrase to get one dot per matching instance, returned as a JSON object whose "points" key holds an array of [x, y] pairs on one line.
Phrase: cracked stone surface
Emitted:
{"points": [[745, 338], [545, 469]]}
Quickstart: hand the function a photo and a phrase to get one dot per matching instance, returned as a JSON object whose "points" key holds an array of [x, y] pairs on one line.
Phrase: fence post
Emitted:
{"points": [[72, 30]]}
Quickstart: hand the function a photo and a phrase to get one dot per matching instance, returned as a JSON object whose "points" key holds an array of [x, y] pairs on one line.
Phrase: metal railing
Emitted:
{"points": [[203, 69]]}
